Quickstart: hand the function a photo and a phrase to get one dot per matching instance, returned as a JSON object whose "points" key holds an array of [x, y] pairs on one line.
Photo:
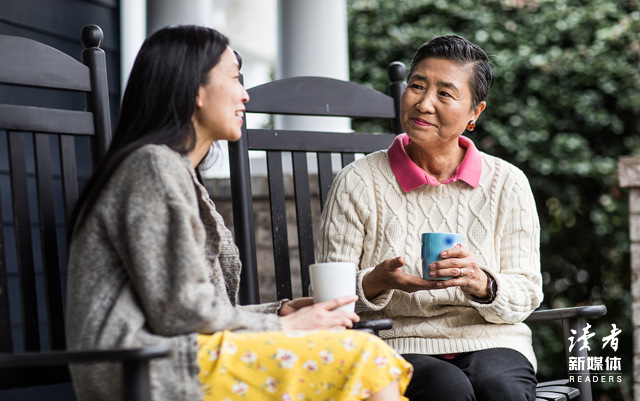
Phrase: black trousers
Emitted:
{"points": [[500, 374]]}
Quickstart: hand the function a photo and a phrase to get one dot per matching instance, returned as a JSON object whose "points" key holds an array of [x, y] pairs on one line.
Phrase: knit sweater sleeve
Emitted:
{"points": [[344, 224], [160, 239], [270, 307], [519, 281], [230, 258]]}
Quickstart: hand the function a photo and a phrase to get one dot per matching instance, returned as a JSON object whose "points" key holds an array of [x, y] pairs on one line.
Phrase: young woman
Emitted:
{"points": [[151, 261]]}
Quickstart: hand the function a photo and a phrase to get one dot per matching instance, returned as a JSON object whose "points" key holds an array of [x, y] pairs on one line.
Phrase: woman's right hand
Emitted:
{"points": [[388, 275], [321, 316]]}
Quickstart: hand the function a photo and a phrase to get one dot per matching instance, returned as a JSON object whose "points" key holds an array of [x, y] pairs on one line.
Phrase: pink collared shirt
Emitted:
{"points": [[410, 176]]}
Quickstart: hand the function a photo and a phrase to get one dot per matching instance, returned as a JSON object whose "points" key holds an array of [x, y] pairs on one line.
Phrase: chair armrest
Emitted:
{"points": [[566, 313], [65, 357], [135, 365], [374, 325]]}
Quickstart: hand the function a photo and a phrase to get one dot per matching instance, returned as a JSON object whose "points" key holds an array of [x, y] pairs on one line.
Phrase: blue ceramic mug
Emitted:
{"points": [[432, 245]]}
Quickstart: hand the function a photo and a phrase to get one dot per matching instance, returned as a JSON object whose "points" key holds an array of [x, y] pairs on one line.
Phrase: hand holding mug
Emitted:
{"points": [[444, 264], [322, 316], [388, 275], [457, 263], [461, 266]]}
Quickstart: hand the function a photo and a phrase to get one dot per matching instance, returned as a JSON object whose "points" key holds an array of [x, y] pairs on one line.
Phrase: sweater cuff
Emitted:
{"points": [[492, 281], [501, 310], [271, 307], [375, 304], [499, 301], [264, 317], [270, 322]]}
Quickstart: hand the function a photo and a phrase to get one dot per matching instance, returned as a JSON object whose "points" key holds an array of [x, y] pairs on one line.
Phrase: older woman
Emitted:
{"points": [[464, 336]]}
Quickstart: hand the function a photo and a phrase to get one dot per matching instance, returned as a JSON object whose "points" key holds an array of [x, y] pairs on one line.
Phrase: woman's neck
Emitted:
{"points": [[440, 162], [200, 150]]}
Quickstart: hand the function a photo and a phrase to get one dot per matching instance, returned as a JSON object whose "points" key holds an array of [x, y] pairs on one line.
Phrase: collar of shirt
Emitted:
{"points": [[410, 176]]}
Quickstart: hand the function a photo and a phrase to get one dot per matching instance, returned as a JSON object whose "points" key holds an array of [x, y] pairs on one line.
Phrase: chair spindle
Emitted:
{"points": [[279, 225], [303, 214], [48, 240], [24, 243]]}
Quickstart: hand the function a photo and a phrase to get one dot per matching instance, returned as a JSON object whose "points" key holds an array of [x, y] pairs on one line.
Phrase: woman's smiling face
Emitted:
{"points": [[220, 102], [436, 104]]}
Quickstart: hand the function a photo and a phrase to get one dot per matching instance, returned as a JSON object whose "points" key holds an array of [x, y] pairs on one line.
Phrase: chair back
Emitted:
{"points": [[311, 96], [32, 287]]}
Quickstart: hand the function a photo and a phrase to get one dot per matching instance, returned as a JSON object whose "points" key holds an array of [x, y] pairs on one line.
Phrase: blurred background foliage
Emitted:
{"points": [[564, 105]]}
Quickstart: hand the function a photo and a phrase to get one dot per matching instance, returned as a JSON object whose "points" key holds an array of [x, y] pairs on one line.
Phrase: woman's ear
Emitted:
{"points": [[478, 109], [199, 97]]}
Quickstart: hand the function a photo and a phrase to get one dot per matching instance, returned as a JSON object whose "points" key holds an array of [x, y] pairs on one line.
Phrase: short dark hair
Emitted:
{"points": [[459, 50]]}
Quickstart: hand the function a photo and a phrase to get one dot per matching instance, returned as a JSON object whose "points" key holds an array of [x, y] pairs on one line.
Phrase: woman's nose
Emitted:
{"points": [[245, 95], [425, 104]]}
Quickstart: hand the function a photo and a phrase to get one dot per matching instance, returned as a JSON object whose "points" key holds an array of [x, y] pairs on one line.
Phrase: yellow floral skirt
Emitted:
{"points": [[299, 365]]}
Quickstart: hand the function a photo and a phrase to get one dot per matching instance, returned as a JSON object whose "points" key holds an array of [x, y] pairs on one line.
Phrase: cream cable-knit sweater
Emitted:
{"points": [[368, 218]]}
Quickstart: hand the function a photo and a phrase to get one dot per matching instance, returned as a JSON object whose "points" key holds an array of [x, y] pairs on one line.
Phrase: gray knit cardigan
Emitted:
{"points": [[154, 264]]}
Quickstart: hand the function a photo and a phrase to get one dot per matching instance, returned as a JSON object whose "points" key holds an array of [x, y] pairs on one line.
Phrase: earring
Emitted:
{"points": [[471, 125]]}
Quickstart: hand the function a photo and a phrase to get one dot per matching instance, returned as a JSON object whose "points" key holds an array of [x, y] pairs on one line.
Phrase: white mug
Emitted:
{"points": [[331, 280]]}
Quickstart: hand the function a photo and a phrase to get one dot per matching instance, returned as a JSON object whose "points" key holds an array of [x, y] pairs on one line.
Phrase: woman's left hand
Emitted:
{"points": [[461, 265], [290, 307]]}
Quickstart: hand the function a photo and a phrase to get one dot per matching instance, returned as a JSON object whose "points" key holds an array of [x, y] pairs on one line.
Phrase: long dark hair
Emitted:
{"points": [[158, 103]]}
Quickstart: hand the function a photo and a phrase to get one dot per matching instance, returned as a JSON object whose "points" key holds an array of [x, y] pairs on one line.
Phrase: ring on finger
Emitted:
{"points": [[461, 272]]}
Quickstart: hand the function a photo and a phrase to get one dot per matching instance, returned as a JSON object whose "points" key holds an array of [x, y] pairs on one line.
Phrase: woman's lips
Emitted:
{"points": [[421, 122]]}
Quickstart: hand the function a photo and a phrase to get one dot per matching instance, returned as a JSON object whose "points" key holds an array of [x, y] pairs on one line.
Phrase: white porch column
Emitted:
{"points": [[133, 31], [140, 18], [173, 12], [312, 41]]}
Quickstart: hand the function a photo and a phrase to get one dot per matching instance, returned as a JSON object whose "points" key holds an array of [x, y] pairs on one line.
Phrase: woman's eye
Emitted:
{"points": [[416, 86], [445, 94]]}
